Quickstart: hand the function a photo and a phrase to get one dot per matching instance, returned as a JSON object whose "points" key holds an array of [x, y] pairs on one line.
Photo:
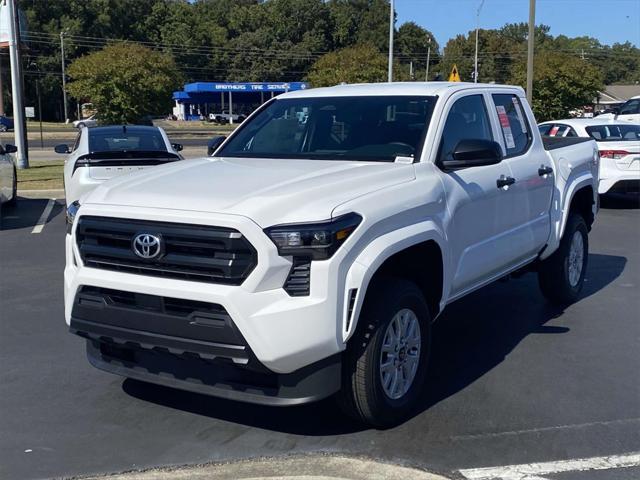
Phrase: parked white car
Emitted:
{"points": [[102, 153], [618, 143], [309, 258], [91, 121], [8, 176], [628, 112]]}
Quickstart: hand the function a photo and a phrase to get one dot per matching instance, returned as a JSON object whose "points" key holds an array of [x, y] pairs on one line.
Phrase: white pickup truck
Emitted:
{"points": [[310, 258]]}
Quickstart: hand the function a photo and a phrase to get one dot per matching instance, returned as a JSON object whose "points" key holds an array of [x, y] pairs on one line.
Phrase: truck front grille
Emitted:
{"points": [[188, 252]]}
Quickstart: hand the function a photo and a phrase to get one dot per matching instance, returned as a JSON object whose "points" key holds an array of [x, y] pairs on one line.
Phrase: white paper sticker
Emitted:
{"points": [[516, 104], [506, 127]]}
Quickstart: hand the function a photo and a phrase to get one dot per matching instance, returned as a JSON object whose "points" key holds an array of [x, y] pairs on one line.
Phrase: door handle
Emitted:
{"points": [[505, 181], [542, 171]]}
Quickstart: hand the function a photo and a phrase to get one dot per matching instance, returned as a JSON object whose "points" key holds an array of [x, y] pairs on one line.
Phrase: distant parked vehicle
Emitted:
{"points": [[91, 121], [102, 153], [8, 176], [629, 112], [618, 143], [6, 123], [225, 116]]}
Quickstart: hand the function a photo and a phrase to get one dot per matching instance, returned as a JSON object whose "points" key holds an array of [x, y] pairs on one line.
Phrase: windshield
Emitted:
{"points": [[129, 141], [373, 128], [614, 133]]}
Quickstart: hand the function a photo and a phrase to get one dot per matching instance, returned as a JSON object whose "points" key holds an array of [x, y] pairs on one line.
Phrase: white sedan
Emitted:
{"points": [[91, 121], [101, 153], [618, 143], [8, 176]]}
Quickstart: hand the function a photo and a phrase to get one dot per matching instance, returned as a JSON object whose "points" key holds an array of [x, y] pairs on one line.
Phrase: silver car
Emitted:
{"points": [[101, 153]]}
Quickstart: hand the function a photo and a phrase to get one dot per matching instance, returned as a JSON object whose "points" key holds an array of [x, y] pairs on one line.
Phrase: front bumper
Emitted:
{"points": [[284, 333]]}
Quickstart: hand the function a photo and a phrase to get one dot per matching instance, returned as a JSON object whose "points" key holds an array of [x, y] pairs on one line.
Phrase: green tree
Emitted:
{"points": [[358, 64], [411, 45], [125, 81], [561, 83]]}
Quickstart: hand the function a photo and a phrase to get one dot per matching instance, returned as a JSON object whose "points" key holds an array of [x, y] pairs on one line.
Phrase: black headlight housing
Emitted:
{"points": [[317, 241], [71, 212]]}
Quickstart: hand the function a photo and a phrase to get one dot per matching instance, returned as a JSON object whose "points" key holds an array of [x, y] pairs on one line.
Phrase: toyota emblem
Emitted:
{"points": [[147, 246]]}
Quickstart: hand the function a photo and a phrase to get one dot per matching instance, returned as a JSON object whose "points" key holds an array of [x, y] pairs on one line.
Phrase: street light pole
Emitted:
{"points": [[475, 62], [19, 124], [391, 29], [64, 79], [530, 40], [426, 74]]}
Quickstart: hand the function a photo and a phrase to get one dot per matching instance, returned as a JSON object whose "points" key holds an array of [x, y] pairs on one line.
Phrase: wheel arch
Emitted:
{"points": [[420, 258]]}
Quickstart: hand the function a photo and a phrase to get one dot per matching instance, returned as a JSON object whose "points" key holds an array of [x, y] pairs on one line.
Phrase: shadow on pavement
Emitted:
{"points": [[472, 336], [620, 201], [26, 213]]}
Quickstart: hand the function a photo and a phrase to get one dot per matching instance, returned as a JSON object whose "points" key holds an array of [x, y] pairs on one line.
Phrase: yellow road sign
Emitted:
{"points": [[454, 76]]}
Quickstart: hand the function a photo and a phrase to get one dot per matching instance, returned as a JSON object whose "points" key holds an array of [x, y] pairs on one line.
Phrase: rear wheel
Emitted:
{"points": [[561, 276], [386, 362]]}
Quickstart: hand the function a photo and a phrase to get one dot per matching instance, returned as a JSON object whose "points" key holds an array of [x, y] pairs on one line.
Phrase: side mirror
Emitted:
{"points": [[62, 148], [177, 147], [214, 143], [8, 148], [474, 153]]}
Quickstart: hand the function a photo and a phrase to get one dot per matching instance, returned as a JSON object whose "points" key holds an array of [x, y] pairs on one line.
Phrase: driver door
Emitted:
{"points": [[477, 206]]}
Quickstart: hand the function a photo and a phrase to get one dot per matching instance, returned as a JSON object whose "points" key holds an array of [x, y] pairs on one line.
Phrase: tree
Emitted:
{"points": [[561, 83], [125, 81], [411, 45], [362, 63]]}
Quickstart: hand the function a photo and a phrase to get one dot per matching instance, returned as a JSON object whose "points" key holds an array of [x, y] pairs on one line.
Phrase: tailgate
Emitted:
{"points": [[626, 153]]}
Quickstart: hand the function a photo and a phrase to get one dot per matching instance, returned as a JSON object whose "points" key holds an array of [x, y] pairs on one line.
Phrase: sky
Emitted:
{"points": [[609, 21]]}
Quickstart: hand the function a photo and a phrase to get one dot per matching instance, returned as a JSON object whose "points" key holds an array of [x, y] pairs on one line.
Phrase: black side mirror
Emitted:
{"points": [[177, 147], [214, 143], [8, 148], [62, 148], [474, 153]]}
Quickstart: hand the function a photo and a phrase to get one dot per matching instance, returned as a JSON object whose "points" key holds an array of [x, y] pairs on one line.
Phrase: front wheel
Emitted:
{"points": [[561, 276], [386, 362]]}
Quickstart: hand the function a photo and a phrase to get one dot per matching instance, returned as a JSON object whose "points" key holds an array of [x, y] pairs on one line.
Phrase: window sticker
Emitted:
{"points": [[554, 131], [516, 104], [506, 127]]}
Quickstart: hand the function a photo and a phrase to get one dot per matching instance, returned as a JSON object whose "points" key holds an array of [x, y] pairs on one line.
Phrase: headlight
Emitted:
{"points": [[317, 241], [72, 210]]}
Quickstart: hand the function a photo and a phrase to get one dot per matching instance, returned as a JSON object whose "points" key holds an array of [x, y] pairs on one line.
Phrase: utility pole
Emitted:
{"points": [[411, 70], [392, 17], [19, 125], [426, 74], [475, 62], [64, 78], [532, 21]]}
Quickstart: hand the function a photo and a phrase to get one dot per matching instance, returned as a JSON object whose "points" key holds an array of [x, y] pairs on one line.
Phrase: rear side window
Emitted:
{"points": [[126, 141], [614, 133], [513, 123], [467, 120]]}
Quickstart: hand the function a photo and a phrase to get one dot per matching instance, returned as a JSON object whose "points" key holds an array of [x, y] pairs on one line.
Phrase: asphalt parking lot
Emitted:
{"points": [[512, 380]]}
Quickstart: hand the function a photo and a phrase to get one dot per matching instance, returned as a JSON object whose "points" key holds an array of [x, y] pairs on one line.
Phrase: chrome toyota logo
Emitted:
{"points": [[147, 246]]}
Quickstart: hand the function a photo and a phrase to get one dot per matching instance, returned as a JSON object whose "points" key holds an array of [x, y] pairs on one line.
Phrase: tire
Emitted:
{"points": [[14, 198], [561, 276], [81, 125], [3, 128], [364, 395]]}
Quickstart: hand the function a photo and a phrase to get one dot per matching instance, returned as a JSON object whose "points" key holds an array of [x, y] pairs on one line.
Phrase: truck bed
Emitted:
{"points": [[552, 143]]}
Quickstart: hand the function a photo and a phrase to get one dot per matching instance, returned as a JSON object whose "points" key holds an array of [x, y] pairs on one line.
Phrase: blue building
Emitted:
{"points": [[197, 100]]}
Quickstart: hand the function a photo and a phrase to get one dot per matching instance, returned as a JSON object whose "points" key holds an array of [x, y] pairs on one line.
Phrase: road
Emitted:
{"points": [[512, 380]]}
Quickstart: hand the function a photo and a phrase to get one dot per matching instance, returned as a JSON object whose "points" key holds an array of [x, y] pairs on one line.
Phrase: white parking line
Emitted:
{"points": [[44, 217], [534, 471]]}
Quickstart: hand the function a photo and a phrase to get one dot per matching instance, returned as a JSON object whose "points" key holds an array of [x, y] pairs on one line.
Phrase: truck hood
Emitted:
{"points": [[267, 191]]}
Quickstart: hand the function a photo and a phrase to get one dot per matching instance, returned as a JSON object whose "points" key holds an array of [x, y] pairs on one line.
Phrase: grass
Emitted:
{"points": [[42, 175]]}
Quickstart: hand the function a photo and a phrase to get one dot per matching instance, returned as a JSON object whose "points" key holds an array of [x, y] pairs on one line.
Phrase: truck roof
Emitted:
{"points": [[396, 88]]}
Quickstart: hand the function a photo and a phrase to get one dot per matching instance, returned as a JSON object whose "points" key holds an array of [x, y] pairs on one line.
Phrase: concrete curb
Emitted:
{"points": [[316, 467], [55, 193]]}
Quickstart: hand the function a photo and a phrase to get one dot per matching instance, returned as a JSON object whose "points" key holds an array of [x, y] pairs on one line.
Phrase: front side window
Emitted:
{"points": [[467, 120], [514, 126], [631, 107], [369, 128], [125, 141], [614, 133]]}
